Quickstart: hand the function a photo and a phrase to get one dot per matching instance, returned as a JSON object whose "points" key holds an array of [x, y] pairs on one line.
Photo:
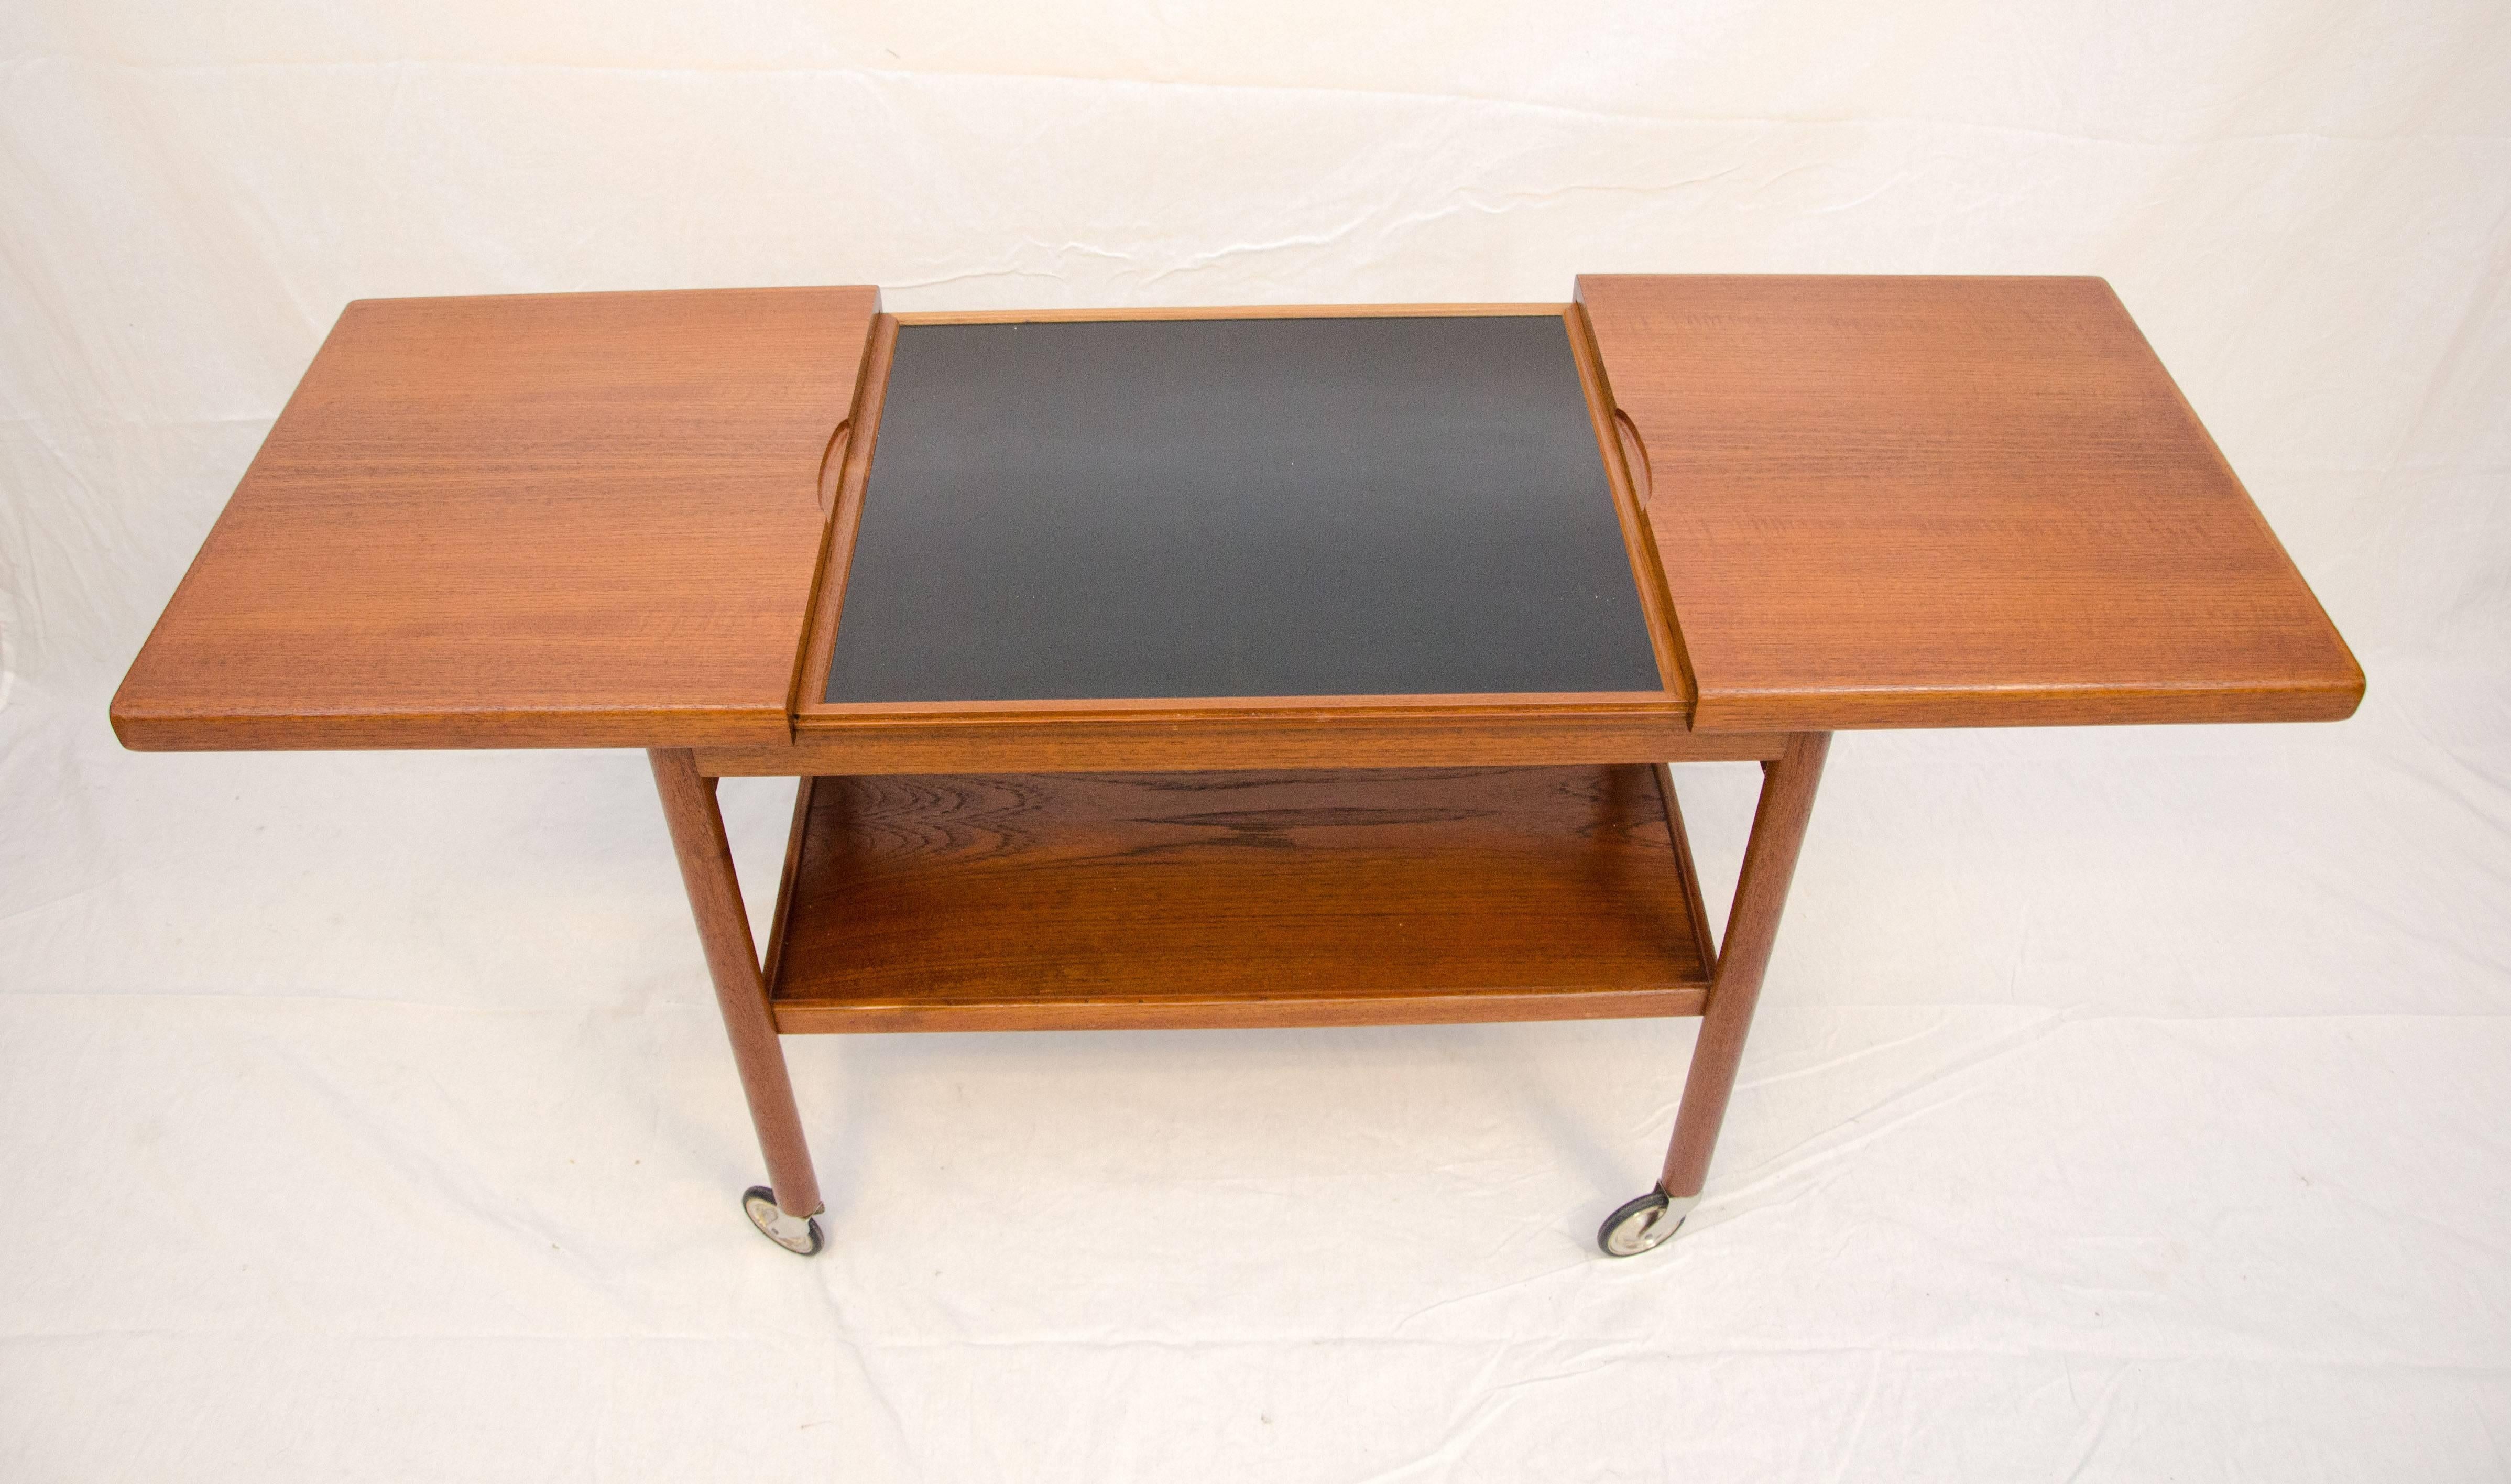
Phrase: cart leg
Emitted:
{"points": [[784, 1212], [1752, 926]]}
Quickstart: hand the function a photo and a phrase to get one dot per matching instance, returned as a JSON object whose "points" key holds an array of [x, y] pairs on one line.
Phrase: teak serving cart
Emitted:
{"points": [[1233, 667]]}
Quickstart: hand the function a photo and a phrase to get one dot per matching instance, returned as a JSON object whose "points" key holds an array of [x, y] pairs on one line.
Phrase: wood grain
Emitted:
{"points": [[1702, 935], [1948, 503], [845, 505], [1627, 480], [1517, 731], [545, 520], [1070, 901], [696, 824], [1779, 823], [785, 880]]}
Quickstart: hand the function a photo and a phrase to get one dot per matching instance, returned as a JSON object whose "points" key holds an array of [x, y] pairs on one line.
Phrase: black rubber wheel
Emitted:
{"points": [[758, 1203], [1638, 1226]]}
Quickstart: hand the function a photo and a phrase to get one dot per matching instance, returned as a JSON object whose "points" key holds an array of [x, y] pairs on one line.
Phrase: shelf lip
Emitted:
{"points": [[806, 1017], [1464, 310], [1241, 898], [1142, 742], [838, 716]]}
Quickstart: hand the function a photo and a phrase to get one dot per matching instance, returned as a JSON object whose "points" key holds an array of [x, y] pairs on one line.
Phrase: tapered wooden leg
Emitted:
{"points": [[1742, 957], [732, 959], [1752, 927]]}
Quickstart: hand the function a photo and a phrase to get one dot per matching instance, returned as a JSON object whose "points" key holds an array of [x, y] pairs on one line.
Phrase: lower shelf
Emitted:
{"points": [[1118, 901]]}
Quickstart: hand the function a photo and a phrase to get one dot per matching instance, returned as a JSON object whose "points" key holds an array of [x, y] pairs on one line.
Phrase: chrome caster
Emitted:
{"points": [[794, 1234], [1642, 1224]]}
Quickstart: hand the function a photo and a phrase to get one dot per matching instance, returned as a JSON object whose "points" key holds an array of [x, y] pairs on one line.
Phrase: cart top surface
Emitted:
{"points": [[1686, 505], [1246, 507]]}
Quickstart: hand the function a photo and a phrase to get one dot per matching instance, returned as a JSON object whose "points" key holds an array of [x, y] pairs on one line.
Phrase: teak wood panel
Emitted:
{"points": [[1948, 503], [541, 521], [1523, 731], [1074, 901], [1204, 732]]}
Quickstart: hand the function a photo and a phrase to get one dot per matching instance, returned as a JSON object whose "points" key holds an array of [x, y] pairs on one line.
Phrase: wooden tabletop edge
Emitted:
{"points": [[2333, 698], [142, 728]]}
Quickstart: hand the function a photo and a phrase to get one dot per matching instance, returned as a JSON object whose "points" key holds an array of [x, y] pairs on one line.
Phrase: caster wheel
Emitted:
{"points": [[798, 1234], [1643, 1224]]}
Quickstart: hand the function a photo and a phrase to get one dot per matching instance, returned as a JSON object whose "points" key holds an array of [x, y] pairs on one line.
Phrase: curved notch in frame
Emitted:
{"points": [[1635, 454], [832, 464]]}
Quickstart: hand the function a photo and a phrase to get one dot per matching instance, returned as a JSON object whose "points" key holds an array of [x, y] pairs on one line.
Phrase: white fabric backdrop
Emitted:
{"points": [[2126, 1104]]}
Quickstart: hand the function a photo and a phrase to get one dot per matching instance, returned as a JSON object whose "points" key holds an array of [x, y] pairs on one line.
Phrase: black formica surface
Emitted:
{"points": [[1260, 507]]}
